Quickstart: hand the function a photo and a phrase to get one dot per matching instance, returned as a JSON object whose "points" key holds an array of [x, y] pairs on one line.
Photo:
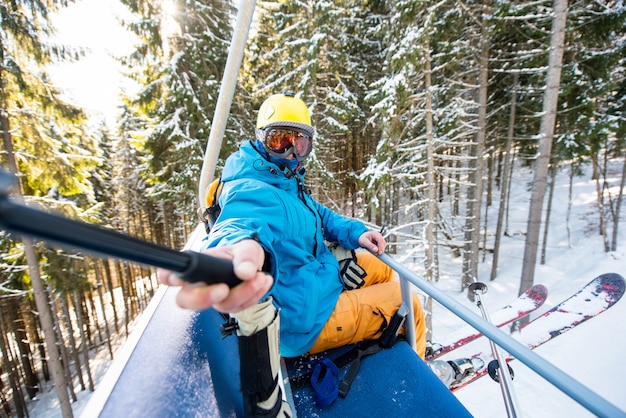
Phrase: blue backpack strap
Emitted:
{"points": [[325, 376], [355, 364], [325, 382]]}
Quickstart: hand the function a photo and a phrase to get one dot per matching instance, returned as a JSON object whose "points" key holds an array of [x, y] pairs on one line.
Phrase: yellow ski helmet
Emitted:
{"points": [[284, 110]]}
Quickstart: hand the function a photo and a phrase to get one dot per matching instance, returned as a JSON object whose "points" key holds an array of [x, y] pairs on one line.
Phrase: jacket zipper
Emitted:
{"points": [[301, 196]]}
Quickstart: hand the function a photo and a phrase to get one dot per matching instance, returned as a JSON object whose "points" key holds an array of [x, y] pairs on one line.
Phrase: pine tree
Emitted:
{"points": [[329, 54], [180, 65], [42, 137]]}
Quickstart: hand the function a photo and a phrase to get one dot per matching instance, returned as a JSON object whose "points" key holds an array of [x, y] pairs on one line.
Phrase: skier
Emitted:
{"points": [[275, 232]]}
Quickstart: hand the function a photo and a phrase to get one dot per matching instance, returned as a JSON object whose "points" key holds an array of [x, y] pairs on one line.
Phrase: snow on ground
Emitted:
{"points": [[592, 353]]}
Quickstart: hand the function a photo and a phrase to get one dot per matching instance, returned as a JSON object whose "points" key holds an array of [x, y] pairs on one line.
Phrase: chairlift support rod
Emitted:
{"points": [[557, 377], [225, 97], [505, 380]]}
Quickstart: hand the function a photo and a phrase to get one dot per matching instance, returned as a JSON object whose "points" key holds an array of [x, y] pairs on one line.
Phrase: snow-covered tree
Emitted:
{"points": [[329, 53], [44, 139], [180, 65]]}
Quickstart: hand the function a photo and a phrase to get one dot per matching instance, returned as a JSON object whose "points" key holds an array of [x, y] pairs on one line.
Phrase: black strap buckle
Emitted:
{"points": [[228, 327]]}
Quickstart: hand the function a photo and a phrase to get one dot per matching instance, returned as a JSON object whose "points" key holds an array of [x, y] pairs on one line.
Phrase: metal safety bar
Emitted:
{"points": [[241, 30], [407, 296], [505, 379], [557, 377]]}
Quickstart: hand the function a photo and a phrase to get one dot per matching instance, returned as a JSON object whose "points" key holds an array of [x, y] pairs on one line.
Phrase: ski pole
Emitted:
{"points": [[505, 380], [561, 380], [190, 266]]}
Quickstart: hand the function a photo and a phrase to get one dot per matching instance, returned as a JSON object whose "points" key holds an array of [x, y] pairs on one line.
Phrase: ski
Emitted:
{"points": [[526, 303], [591, 300]]}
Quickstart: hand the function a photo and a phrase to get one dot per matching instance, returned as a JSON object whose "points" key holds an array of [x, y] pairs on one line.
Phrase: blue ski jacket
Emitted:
{"points": [[261, 201]]}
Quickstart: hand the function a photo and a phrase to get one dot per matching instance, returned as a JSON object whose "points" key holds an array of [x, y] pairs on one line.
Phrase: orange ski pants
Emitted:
{"points": [[358, 314]]}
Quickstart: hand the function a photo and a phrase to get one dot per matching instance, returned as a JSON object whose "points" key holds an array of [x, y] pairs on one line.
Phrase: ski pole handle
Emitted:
{"points": [[191, 266]]}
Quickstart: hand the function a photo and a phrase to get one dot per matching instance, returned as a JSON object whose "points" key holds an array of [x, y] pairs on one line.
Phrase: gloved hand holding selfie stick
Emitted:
{"points": [[67, 233]]}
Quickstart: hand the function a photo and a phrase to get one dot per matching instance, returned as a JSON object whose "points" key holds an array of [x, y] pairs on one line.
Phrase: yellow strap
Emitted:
{"points": [[215, 188]]}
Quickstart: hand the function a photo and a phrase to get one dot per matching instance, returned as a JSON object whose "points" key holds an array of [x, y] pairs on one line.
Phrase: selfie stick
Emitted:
{"points": [[191, 266]]}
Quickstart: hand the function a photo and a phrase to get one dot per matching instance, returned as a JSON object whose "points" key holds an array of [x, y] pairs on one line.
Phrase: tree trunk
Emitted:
{"points": [[109, 283], [55, 352], [90, 312], [485, 230], [5, 406], [18, 326], [548, 211], [100, 284], [72, 341], [78, 308], [508, 195], [39, 343], [506, 178], [95, 337], [62, 348], [431, 217], [472, 235], [12, 371], [600, 202], [618, 206], [570, 192], [550, 101], [126, 294], [395, 213]]}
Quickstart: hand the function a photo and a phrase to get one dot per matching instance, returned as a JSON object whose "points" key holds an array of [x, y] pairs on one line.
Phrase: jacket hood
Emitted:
{"points": [[249, 162]]}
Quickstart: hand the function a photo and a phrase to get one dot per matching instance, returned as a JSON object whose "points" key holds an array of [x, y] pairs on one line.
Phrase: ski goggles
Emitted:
{"points": [[282, 142]]}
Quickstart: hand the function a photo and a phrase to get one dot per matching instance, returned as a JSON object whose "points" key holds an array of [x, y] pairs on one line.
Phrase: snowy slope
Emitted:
{"points": [[591, 353]]}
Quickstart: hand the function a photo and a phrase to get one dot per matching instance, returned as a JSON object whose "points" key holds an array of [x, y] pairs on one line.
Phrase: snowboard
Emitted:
{"points": [[526, 303], [591, 300]]}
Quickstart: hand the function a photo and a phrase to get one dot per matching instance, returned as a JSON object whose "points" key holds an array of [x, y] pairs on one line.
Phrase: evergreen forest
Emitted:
{"points": [[423, 111]]}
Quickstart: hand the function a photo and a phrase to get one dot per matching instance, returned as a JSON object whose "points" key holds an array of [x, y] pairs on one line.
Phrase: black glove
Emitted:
{"points": [[351, 273]]}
